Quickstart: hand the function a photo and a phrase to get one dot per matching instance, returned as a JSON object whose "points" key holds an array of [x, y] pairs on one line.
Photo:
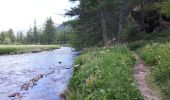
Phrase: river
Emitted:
{"points": [[36, 76]]}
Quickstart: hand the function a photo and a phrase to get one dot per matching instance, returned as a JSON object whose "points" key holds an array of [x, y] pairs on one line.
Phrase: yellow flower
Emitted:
{"points": [[90, 81]]}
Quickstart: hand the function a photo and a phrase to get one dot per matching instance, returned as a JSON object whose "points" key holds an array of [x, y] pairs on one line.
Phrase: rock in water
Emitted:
{"points": [[63, 96], [14, 95]]}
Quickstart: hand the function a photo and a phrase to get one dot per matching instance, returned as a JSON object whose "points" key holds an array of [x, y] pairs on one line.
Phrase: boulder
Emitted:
{"points": [[152, 20]]}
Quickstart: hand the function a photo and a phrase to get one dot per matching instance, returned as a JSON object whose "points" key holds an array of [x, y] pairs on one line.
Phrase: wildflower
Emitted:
{"points": [[90, 81], [76, 65], [107, 50]]}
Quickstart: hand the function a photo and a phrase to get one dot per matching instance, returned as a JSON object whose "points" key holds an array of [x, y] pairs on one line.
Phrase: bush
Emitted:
{"points": [[7, 41], [104, 74], [166, 8], [136, 45], [129, 33], [158, 57]]}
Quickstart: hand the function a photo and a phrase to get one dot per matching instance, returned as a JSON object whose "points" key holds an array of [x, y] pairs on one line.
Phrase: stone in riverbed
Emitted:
{"points": [[36, 50], [11, 53], [31, 82], [15, 95]]}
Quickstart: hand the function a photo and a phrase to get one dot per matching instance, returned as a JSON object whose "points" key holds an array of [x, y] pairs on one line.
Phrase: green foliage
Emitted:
{"points": [[87, 25], [136, 45], [7, 37], [166, 8], [64, 34], [20, 38], [30, 37], [33, 36], [49, 32], [158, 57], [11, 35], [104, 74], [7, 41], [162, 37], [36, 34], [130, 33], [137, 40]]}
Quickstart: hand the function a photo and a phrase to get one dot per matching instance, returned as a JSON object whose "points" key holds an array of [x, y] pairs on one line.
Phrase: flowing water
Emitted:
{"points": [[45, 75]]}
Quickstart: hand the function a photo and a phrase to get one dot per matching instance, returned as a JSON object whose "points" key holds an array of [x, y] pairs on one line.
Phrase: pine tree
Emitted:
{"points": [[95, 21], [11, 35], [29, 37], [2, 37], [49, 32], [35, 34], [20, 38]]}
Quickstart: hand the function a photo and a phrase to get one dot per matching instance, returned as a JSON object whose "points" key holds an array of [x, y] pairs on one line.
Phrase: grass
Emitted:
{"points": [[18, 49], [157, 56], [104, 74]]}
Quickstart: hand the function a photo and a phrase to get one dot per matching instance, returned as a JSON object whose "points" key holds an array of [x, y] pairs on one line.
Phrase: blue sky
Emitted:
{"points": [[20, 14]]}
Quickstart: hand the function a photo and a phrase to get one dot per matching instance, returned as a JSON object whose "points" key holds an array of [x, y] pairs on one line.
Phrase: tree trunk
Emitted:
{"points": [[121, 18], [142, 17], [104, 22], [104, 28]]}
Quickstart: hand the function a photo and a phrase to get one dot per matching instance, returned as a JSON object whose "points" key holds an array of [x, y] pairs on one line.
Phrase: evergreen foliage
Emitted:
{"points": [[34, 35], [49, 32], [98, 21]]}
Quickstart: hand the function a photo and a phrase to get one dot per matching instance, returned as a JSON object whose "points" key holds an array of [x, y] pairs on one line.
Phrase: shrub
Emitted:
{"points": [[136, 45], [166, 8], [129, 33]]}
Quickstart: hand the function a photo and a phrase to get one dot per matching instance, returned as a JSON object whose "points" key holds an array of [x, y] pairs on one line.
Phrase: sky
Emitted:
{"points": [[20, 14]]}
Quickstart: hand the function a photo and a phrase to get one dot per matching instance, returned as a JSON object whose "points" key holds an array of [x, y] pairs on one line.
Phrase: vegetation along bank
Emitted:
{"points": [[19, 49], [104, 74]]}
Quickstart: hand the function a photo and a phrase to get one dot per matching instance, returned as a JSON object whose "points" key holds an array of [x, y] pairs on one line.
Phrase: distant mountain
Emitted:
{"points": [[63, 28]]}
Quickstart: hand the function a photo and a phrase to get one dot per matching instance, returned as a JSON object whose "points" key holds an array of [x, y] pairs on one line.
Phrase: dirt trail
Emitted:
{"points": [[140, 74]]}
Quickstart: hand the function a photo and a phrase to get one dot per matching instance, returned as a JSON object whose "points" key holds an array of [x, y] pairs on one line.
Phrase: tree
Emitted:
{"points": [[7, 40], [29, 37], [103, 17], [20, 38], [35, 34], [11, 35], [121, 18], [2, 37], [94, 21], [49, 32]]}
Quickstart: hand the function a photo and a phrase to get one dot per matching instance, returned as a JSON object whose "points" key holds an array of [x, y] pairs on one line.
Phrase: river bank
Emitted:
{"points": [[104, 74], [21, 49]]}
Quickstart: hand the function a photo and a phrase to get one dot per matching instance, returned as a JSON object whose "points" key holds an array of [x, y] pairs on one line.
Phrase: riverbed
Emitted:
{"points": [[36, 76]]}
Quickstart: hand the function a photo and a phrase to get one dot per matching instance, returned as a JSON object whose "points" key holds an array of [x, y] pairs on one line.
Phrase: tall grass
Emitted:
{"points": [[104, 74], [15, 49], [158, 57]]}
